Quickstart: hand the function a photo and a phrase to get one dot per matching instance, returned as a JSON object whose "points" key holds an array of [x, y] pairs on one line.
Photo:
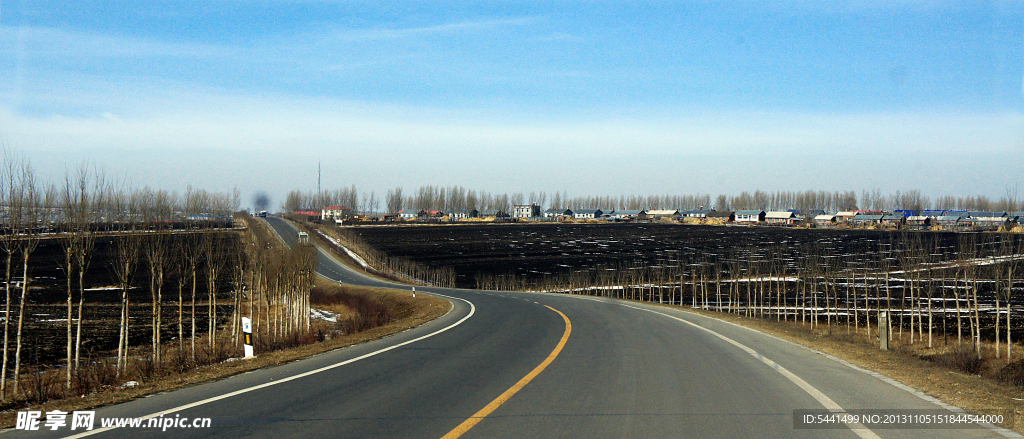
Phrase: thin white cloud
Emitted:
{"points": [[558, 37], [448, 28], [273, 142], [44, 41], [203, 120]]}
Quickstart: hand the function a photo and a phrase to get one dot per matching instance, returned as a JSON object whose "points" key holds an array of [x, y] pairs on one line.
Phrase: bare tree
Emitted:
{"points": [[214, 262], [11, 193], [394, 200], [1011, 267], [76, 200], [127, 247], [33, 203], [192, 255], [156, 252]]}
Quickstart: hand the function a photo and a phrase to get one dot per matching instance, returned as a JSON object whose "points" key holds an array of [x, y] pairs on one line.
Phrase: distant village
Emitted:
{"points": [[898, 219]]}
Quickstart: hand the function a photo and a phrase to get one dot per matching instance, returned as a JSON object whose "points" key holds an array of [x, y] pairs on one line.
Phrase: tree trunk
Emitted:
{"points": [[977, 319], [888, 305], [959, 318], [7, 326], [159, 305], [856, 308], [78, 325], [21, 322], [1009, 310], [193, 320], [67, 384], [998, 347], [181, 312]]}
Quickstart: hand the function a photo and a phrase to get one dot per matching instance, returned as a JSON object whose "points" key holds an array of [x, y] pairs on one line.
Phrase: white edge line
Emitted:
{"points": [[822, 399], [1000, 430], [472, 310]]}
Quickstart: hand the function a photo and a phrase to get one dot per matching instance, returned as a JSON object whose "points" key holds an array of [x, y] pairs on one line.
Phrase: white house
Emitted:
{"points": [[825, 219], [779, 217], [335, 213], [750, 216], [629, 214], [662, 213], [408, 214], [462, 214], [525, 211]]}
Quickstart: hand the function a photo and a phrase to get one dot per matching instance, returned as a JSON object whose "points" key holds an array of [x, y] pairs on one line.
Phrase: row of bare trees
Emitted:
{"points": [[280, 280], [925, 281], [349, 197], [403, 268], [445, 198], [77, 212]]}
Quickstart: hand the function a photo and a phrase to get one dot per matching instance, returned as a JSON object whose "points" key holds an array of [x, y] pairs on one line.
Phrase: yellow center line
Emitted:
{"points": [[501, 399]]}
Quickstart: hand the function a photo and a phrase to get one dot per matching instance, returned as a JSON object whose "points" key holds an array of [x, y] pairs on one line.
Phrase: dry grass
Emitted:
{"points": [[947, 372], [406, 313]]}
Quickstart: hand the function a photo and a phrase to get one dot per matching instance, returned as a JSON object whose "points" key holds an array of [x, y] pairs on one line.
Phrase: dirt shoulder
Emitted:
{"points": [[408, 313], [904, 363]]}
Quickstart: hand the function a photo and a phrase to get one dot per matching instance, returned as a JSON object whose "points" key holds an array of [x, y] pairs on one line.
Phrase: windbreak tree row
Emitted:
{"points": [[279, 281], [964, 292], [447, 198], [345, 240], [180, 267]]}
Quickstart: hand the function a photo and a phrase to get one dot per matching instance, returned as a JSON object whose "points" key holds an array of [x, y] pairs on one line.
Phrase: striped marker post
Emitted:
{"points": [[247, 336]]}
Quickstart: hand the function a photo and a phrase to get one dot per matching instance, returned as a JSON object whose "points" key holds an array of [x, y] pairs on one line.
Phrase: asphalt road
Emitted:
{"points": [[627, 370]]}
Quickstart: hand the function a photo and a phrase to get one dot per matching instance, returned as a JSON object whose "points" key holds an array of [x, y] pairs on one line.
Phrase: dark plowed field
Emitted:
{"points": [[46, 333], [571, 255], [536, 250]]}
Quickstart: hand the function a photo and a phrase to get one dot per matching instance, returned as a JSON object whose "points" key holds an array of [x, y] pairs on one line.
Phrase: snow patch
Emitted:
{"points": [[350, 253], [323, 315]]}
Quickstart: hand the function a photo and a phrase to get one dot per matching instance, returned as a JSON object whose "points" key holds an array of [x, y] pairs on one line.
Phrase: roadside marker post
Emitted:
{"points": [[883, 331], [413, 291], [247, 336]]}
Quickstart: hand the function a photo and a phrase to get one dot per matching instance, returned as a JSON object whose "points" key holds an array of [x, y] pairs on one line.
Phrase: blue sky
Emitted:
{"points": [[588, 97]]}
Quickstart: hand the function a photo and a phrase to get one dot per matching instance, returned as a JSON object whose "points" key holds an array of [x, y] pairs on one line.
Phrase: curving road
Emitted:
{"points": [[627, 370]]}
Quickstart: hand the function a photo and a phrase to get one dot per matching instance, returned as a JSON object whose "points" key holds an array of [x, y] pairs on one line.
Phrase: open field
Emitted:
{"points": [[46, 310], [535, 251], [831, 276]]}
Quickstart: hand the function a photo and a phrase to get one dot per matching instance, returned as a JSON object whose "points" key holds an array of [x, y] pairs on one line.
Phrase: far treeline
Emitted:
{"points": [[446, 198]]}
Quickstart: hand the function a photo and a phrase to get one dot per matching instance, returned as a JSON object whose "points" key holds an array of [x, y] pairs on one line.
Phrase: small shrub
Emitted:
{"points": [[92, 375], [179, 361], [39, 386], [964, 360], [143, 369], [1012, 374], [369, 313]]}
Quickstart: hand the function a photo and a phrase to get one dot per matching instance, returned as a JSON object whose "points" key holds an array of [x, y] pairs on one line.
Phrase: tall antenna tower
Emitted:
{"points": [[318, 193]]}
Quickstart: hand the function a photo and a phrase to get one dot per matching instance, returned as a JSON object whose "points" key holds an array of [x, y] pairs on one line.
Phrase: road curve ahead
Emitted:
{"points": [[611, 369]]}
